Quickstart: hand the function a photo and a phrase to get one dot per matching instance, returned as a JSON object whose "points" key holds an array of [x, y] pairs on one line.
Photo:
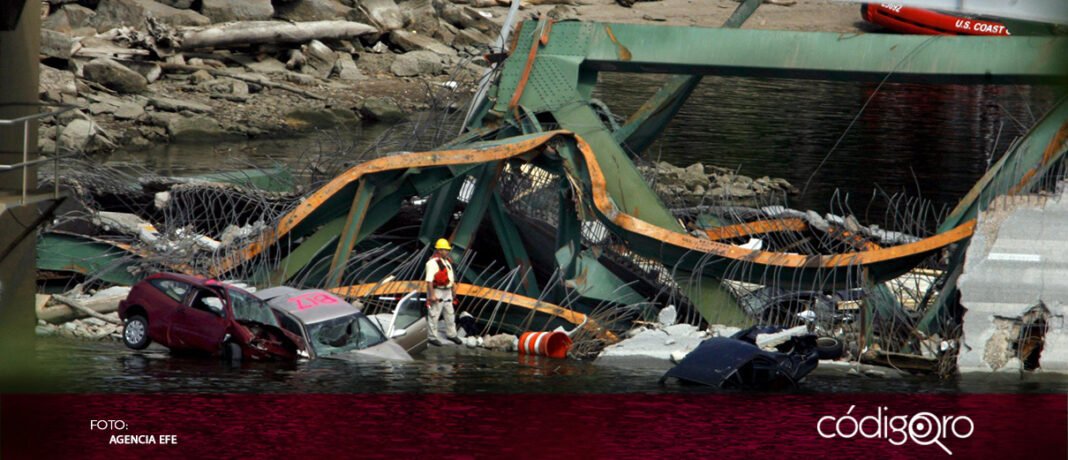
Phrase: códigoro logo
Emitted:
{"points": [[923, 428]]}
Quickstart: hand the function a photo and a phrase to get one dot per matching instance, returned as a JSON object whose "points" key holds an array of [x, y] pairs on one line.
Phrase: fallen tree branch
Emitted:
{"points": [[259, 32], [250, 78]]}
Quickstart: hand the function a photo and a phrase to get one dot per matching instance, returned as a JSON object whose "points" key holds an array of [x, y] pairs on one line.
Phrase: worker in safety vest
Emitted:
{"points": [[441, 292]]}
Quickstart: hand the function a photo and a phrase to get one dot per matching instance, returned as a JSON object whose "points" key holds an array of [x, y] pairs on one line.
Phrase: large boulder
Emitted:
{"points": [[381, 109], [237, 10], [320, 59], [68, 18], [471, 37], [422, 16], [115, 13], [75, 135], [383, 14], [346, 68], [418, 62], [466, 17], [196, 129], [310, 10], [376, 63], [307, 118], [55, 83], [57, 44], [411, 41], [115, 76]]}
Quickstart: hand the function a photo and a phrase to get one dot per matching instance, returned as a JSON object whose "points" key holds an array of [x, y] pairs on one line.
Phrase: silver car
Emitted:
{"points": [[330, 326], [407, 323]]}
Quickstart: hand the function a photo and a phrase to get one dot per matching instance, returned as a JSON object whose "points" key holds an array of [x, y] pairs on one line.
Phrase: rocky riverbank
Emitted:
{"points": [[699, 184], [145, 72]]}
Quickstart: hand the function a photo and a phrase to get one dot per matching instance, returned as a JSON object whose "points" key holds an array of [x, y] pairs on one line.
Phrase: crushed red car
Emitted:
{"points": [[191, 313]]}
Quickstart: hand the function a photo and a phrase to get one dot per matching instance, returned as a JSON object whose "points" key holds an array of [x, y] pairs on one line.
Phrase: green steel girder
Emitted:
{"points": [[347, 237], [576, 51], [625, 184], [934, 59], [713, 301], [316, 245], [485, 184], [568, 231], [277, 179], [591, 280], [78, 254], [438, 212], [1018, 171], [646, 123], [512, 244], [1042, 146]]}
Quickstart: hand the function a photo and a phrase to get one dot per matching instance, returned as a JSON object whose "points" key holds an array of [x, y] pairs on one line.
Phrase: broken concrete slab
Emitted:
{"points": [[1015, 286]]}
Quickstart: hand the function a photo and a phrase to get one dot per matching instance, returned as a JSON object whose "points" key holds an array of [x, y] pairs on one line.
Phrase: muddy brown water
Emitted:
{"points": [[929, 141]]}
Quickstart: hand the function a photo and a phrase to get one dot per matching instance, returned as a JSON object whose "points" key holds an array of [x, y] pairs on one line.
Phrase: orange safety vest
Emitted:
{"points": [[441, 277]]}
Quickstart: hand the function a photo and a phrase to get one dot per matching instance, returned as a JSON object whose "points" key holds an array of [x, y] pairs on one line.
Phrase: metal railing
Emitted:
{"points": [[25, 121]]}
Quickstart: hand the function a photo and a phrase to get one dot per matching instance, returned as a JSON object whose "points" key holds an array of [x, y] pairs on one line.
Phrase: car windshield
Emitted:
{"points": [[346, 333], [248, 308]]}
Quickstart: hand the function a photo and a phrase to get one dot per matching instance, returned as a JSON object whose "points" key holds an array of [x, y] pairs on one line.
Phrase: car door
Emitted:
{"points": [[162, 304], [201, 323], [408, 326]]}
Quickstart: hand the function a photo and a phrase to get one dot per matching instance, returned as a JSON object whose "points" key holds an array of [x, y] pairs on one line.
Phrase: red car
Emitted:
{"points": [[196, 314]]}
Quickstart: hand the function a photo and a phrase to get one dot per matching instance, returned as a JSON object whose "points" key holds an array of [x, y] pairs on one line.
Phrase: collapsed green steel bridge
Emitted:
{"points": [[544, 185]]}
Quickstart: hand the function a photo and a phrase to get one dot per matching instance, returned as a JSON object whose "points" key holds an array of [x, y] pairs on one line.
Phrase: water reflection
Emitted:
{"points": [[92, 367]]}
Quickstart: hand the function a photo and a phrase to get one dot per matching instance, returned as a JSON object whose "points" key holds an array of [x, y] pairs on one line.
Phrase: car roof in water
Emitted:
{"points": [[310, 305]]}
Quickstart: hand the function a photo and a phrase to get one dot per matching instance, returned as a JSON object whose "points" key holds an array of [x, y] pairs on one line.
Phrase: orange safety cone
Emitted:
{"points": [[551, 344]]}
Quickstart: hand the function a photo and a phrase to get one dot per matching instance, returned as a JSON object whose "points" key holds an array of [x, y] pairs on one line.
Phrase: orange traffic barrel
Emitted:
{"points": [[551, 344]]}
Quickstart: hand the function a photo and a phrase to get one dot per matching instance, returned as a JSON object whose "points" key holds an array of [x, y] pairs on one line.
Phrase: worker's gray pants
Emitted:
{"points": [[444, 302]]}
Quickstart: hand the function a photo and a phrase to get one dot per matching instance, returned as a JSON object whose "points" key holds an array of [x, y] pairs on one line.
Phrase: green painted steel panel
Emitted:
{"points": [[68, 253]]}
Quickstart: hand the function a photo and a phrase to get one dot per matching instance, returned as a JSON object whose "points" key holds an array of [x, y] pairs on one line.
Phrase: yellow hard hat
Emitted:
{"points": [[442, 244]]}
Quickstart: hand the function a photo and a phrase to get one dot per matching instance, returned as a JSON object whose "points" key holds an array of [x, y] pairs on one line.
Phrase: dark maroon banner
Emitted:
{"points": [[541, 425]]}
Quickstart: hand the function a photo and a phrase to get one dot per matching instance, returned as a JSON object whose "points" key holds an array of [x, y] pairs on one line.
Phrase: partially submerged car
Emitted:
{"points": [[737, 362], [330, 326], [406, 324], [189, 313]]}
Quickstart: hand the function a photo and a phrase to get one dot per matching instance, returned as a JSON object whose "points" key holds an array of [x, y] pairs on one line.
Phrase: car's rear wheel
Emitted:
{"points": [[231, 352], [135, 333]]}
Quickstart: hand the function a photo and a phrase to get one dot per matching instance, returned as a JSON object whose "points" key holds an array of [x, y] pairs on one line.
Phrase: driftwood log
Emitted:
{"points": [[79, 308], [263, 32]]}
